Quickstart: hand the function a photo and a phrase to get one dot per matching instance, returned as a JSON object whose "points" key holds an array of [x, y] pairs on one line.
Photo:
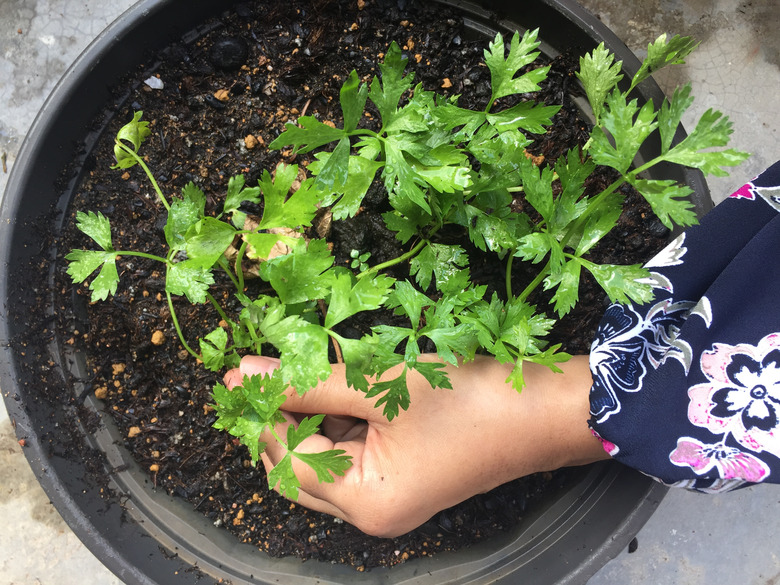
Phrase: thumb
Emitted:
{"points": [[251, 364]]}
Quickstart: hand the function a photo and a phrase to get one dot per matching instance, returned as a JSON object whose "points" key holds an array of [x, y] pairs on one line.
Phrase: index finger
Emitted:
{"points": [[332, 396]]}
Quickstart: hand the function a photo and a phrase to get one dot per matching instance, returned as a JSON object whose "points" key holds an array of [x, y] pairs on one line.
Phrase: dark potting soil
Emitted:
{"points": [[224, 97]]}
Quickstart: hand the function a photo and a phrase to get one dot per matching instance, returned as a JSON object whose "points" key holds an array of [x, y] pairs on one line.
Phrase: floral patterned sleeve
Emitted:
{"points": [[687, 387]]}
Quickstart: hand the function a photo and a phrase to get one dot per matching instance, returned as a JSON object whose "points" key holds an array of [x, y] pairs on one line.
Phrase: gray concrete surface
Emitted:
{"points": [[714, 540]]}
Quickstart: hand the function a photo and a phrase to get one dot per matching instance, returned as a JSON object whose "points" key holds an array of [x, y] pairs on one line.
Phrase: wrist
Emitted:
{"points": [[549, 420]]}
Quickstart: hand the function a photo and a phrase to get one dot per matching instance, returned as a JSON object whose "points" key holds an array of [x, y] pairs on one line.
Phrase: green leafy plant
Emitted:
{"points": [[441, 166]]}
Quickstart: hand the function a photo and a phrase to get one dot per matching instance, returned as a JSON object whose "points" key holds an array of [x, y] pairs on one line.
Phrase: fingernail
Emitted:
{"points": [[255, 364]]}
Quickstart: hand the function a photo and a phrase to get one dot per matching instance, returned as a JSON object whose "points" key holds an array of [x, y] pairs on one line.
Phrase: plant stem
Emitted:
{"points": [[178, 328], [149, 174], [410, 254], [223, 263], [239, 268], [508, 276], [216, 306], [534, 283], [142, 255]]}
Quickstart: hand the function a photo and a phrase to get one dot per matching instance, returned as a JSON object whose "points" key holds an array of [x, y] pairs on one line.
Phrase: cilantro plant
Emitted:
{"points": [[441, 165]]}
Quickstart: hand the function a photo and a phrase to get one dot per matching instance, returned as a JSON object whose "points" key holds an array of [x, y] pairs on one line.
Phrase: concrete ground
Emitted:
{"points": [[692, 539]]}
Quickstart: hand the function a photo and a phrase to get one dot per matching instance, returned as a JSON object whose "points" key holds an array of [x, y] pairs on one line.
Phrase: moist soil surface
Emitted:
{"points": [[224, 96]]}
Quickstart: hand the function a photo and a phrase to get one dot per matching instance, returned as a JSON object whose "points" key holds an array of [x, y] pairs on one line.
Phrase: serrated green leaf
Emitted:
{"points": [[307, 427], [670, 201], [283, 478], [282, 209], [97, 227], [327, 464], [357, 354], [261, 243], [567, 291], [309, 135], [82, 263], [572, 172], [550, 358], [300, 275], [452, 341], [400, 179], [386, 339], [207, 240], [404, 228], [386, 94], [353, 97], [661, 53], [237, 194], [527, 116], [434, 374], [350, 296], [105, 283], [671, 113], [622, 283], [534, 247], [189, 279], [503, 71], [410, 119], [599, 74], [304, 351], [409, 300], [489, 231], [265, 395], [450, 116], [346, 201], [183, 214], [212, 348], [446, 179], [393, 395], [443, 261], [537, 186], [599, 223], [712, 130], [332, 176], [628, 125], [229, 406]]}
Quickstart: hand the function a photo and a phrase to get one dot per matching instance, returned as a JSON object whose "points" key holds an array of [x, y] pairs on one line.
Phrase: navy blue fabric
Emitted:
{"points": [[687, 387]]}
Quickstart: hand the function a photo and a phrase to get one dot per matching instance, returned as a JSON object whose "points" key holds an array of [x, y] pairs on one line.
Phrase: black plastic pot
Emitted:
{"points": [[146, 537]]}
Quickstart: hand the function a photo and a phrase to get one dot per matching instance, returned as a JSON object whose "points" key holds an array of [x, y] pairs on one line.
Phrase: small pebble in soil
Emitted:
{"points": [[154, 82]]}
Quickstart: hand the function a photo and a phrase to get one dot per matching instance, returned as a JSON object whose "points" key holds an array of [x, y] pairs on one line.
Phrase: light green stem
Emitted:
{"points": [[149, 174], [142, 255], [217, 308], [239, 267], [223, 263], [175, 320], [410, 254], [535, 282], [508, 276]]}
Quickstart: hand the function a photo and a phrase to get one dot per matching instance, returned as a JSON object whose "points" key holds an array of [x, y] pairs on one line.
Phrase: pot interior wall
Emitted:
{"points": [[599, 501]]}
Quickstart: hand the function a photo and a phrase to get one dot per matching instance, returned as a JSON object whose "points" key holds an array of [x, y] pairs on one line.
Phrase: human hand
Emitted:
{"points": [[448, 446]]}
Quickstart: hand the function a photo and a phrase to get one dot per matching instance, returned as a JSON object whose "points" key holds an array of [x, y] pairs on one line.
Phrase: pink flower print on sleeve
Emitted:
{"points": [[730, 463], [742, 395]]}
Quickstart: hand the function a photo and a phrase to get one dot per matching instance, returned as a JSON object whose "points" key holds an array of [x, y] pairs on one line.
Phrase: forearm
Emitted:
{"points": [[547, 423]]}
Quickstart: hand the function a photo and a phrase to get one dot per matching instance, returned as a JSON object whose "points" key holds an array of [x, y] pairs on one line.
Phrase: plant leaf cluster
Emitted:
{"points": [[441, 165]]}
